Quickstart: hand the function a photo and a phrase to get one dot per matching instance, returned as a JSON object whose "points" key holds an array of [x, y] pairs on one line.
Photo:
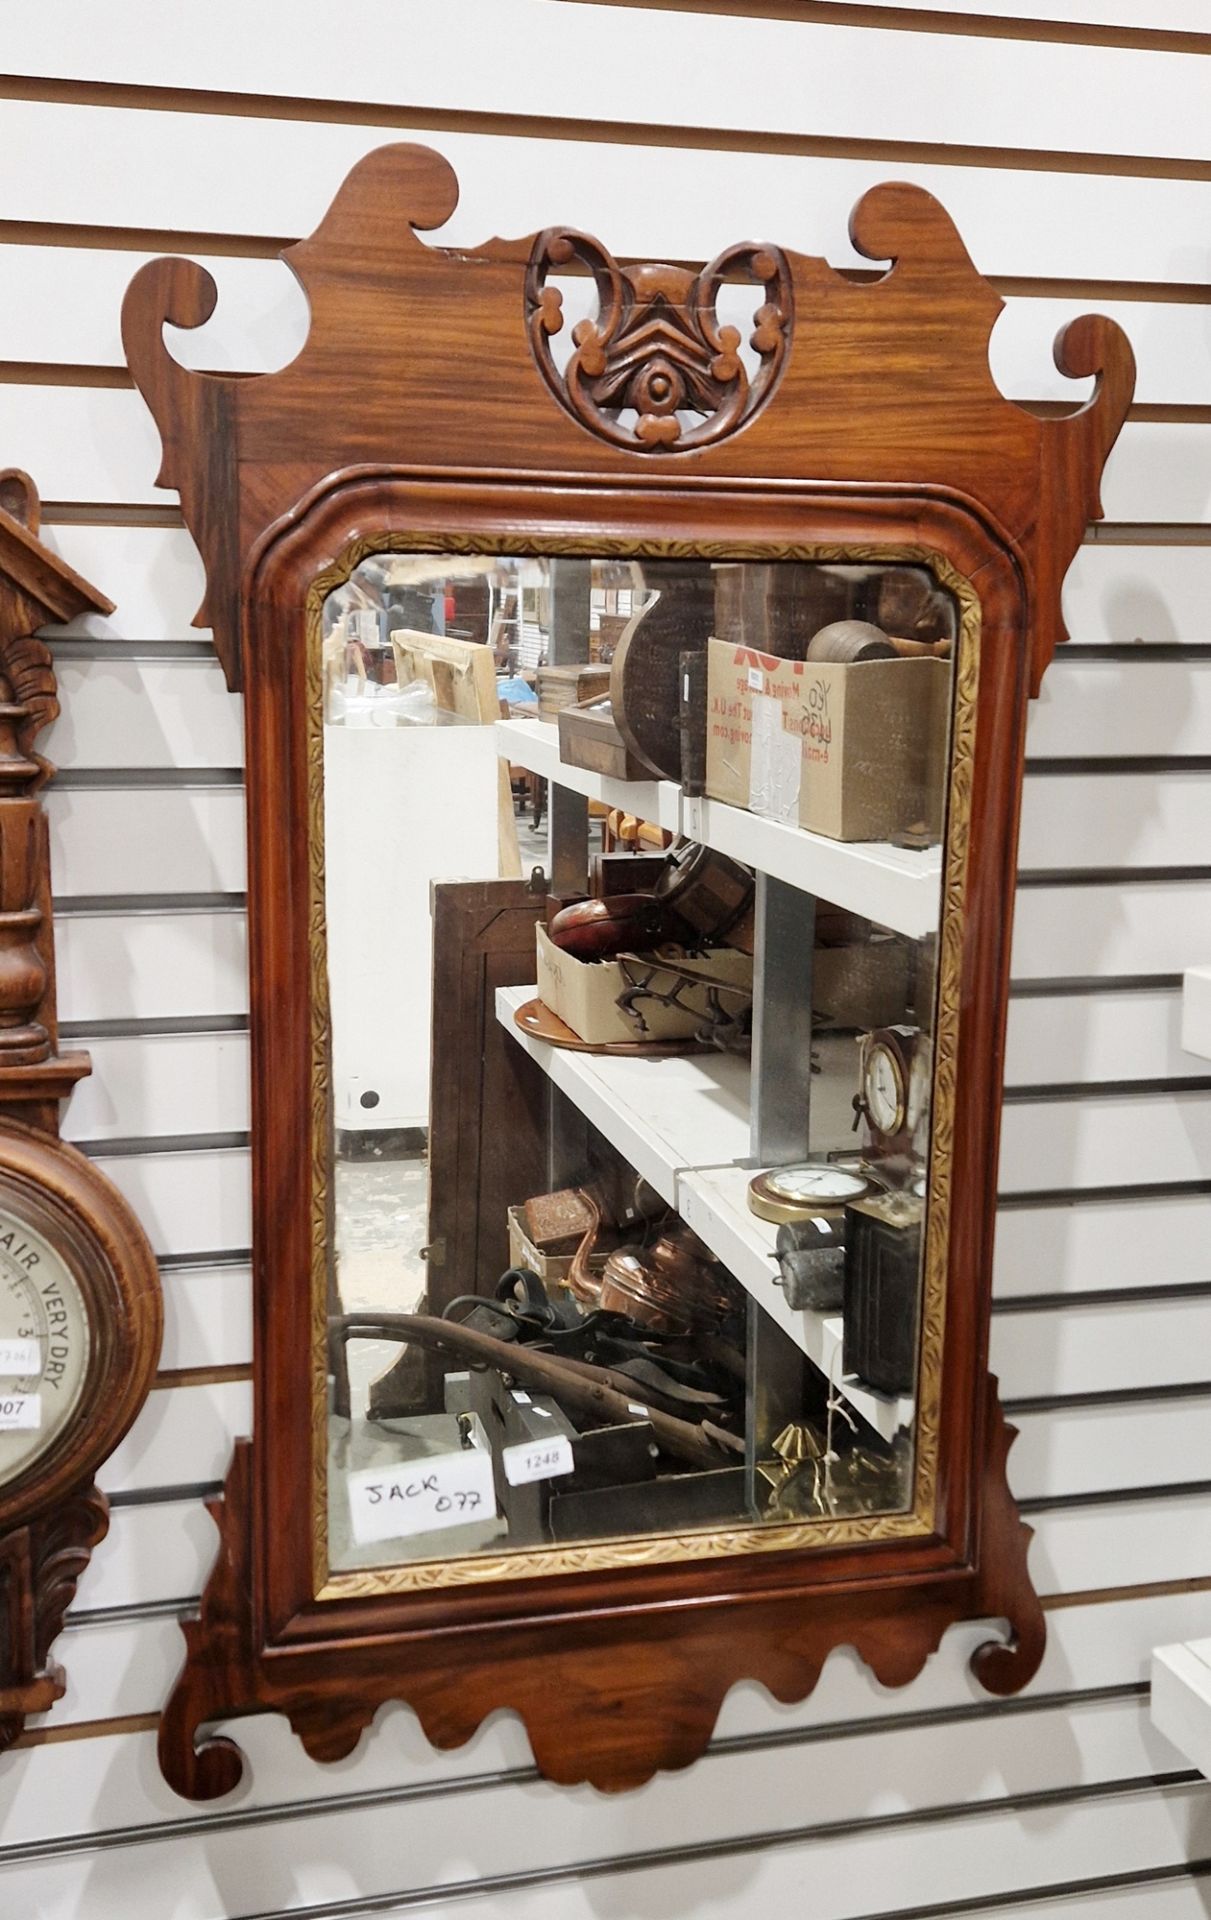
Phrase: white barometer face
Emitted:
{"points": [[44, 1343]]}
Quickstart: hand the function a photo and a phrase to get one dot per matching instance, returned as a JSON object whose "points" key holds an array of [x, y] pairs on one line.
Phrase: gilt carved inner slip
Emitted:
{"points": [[449, 403]]}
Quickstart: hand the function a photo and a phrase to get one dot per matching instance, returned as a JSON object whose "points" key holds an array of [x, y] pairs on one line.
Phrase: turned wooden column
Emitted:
{"points": [[36, 587]]}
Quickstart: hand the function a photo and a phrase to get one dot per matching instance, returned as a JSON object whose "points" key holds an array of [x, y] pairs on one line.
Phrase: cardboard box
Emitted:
{"points": [[856, 752], [584, 993]]}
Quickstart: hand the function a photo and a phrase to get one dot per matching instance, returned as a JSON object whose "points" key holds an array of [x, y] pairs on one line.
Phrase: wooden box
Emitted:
{"points": [[560, 687], [589, 737]]}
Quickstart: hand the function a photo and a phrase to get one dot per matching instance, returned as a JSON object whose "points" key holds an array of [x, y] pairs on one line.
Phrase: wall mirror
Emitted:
{"points": [[635, 684], [704, 1313]]}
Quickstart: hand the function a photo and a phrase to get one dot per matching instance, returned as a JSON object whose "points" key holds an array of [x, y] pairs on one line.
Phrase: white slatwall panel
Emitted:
{"points": [[207, 1317], [1092, 1245], [219, 173], [150, 966], [127, 167], [1095, 100], [161, 1083]]}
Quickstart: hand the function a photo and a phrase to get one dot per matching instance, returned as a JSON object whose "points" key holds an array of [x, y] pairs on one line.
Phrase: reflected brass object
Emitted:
{"points": [[674, 1286], [789, 1194]]}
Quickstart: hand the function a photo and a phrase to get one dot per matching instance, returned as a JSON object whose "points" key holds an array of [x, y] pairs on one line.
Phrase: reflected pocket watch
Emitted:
{"points": [[790, 1194], [893, 1086]]}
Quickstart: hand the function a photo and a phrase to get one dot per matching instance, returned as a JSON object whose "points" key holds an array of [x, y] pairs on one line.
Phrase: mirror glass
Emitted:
{"points": [[685, 1116]]}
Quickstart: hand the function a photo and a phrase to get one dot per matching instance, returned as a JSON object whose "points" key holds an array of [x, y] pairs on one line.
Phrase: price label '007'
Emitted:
{"points": [[20, 1412], [421, 1496]]}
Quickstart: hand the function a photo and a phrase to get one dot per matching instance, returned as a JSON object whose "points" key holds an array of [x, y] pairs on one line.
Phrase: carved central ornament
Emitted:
{"points": [[656, 371]]}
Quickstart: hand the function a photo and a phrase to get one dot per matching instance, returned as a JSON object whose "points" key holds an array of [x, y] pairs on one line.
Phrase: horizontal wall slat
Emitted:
{"points": [[1090, 709], [127, 1666], [161, 1084], [230, 174], [1119, 1140], [188, 1202], [815, 78], [1122, 595], [154, 576], [207, 1318], [1082, 1450], [151, 1553], [1134, 595], [171, 1084], [1065, 1039], [188, 840], [1077, 1549], [145, 713], [1120, 819], [1090, 1245], [115, 966], [182, 1437], [1108, 931], [1120, 1346], [100, 445]]}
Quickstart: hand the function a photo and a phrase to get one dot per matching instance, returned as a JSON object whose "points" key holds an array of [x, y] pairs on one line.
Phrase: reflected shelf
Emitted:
{"points": [[896, 887], [534, 744], [682, 1121]]}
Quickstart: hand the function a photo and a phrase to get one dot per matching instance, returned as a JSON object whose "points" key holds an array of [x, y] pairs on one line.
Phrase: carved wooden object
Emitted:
{"points": [[427, 406], [52, 1516]]}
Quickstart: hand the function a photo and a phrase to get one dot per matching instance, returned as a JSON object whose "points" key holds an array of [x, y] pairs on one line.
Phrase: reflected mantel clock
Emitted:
{"points": [[446, 404], [79, 1292]]}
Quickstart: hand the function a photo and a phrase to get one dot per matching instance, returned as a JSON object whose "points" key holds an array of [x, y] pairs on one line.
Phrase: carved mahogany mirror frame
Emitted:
{"points": [[426, 405]]}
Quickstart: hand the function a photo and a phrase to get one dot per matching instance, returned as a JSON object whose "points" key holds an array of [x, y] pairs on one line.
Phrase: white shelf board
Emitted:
{"points": [[663, 1114], [1181, 1699], [712, 1201], [894, 886], [535, 744], [682, 1120]]}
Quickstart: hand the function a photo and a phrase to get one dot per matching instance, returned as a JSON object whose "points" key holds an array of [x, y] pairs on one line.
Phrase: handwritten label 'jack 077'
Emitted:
{"points": [[421, 1496], [20, 1410], [19, 1357], [537, 1459]]}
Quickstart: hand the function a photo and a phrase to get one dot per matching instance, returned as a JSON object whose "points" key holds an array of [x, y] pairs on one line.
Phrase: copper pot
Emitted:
{"points": [[673, 1287]]}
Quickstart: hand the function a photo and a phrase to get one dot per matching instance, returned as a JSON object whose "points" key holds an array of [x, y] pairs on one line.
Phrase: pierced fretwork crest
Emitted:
{"points": [[657, 354]]}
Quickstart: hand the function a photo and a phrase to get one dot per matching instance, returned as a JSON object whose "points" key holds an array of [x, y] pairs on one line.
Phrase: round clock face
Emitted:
{"points": [[44, 1344], [796, 1193], [808, 1185], [883, 1089]]}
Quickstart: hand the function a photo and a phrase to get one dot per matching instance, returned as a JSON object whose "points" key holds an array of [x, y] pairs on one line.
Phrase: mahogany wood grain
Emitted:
{"points": [[421, 407]]}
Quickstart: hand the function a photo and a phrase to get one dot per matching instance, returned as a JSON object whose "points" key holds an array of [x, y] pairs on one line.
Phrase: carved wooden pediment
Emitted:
{"points": [[435, 359]]}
